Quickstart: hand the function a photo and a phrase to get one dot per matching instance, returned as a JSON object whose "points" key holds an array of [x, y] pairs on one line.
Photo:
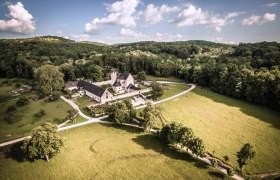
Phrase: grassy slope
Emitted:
{"points": [[172, 79], [24, 116], [100, 151], [225, 124], [172, 89]]}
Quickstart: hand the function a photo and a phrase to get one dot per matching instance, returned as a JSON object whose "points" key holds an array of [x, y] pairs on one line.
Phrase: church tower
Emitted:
{"points": [[114, 76]]}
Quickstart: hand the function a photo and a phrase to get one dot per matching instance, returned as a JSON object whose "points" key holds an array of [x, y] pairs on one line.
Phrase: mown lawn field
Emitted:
{"points": [[171, 79], [23, 120], [225, 124], [173, 89], [99, 151]]}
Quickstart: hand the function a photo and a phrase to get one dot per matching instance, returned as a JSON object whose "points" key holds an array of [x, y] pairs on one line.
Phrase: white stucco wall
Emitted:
{"points": [[96, 98], [129, 80], [104, 97], [113, 77]]}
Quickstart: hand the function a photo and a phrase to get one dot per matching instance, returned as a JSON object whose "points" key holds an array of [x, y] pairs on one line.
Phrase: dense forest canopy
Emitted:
{"points": [[246, 71]]}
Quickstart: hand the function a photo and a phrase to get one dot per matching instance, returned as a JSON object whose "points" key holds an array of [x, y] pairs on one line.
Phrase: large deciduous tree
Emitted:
{"points": [[141, 76], [174, 135], [68, 70], [157, 90], [94, 72], [45, 142], [197, 146], [152, 115], [245, 154], [121, 116], [48, 79]]}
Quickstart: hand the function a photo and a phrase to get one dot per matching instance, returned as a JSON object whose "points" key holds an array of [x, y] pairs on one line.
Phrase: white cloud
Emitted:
{"points": [[195, 16], [219, 39], [155, 14], [218, 29], [271, 4], [269, 17], [258, 19], [121, 13], [59, 32], [233, 14], [128, 35], [251, 20], [21, 21], [166, 37], [79, 37]]}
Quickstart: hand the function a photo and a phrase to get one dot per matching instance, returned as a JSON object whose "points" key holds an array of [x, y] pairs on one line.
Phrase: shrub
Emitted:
{"points": [[230, 172], [5, 82], [15, 80], [214, 162], [11, 109], [121, 116], [41, 96], [17, 85], [40, 113], [22, 101], [55, 96], [164, 133], [226, 158], [157, 90]]}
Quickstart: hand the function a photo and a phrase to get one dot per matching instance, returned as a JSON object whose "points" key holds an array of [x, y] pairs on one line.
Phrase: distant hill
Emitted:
{"points": [[95, 43], [189, 42], [40, 39]]}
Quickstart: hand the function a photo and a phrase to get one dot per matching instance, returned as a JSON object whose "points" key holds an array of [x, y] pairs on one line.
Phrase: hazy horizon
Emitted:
{"points": [[126, 21]]}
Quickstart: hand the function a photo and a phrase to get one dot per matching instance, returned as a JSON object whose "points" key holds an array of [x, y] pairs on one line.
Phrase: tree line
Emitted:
{"points": [[245, 71]]}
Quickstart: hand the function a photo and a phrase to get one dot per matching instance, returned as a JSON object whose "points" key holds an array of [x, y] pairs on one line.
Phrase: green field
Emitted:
{"points": [[99, 151], [173, 89], [83, 102], [172, 79], [23, 119], [225, 124]]}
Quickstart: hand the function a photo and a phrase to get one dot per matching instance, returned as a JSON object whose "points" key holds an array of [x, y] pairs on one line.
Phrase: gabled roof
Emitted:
{"points": [[69, 84], [123, 76], [117, 83], [92, 88], [131, 86]]}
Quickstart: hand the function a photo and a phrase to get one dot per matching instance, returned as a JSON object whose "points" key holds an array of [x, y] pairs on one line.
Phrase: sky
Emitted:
{"points": [[112, 21]]}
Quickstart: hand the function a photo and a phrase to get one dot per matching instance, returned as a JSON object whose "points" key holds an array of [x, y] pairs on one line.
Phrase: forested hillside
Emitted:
{"points": [[245, 71]]}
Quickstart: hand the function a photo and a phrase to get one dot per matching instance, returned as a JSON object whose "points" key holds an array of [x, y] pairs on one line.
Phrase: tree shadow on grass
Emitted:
{"points": [[152, 142], [125, 128], [262, 113], [217, 174], [13, 152]]}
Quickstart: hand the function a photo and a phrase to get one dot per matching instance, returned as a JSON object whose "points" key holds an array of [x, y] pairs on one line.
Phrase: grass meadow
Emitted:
{"points": [[98, 151], [171, 79], [172, 89], [225, 124], [23, 119]]}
